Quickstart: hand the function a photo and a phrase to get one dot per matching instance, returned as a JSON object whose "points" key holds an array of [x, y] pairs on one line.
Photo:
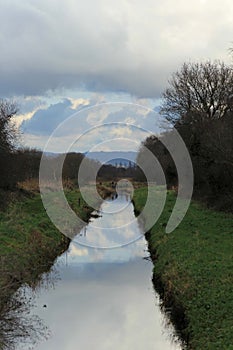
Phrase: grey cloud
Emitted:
{"points": [[107, 45]]}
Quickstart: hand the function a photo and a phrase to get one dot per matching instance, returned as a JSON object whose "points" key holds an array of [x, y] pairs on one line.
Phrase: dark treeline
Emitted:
{"points": [[199, 104], [109, 172], [18, 165], [15, 164]]}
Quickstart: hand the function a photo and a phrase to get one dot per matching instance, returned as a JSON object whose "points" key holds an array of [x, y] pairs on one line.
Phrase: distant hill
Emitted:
{"points": [[116, 158]]}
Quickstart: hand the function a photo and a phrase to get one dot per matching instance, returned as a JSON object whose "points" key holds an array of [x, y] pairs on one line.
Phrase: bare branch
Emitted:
{"points": [[199, 88]]}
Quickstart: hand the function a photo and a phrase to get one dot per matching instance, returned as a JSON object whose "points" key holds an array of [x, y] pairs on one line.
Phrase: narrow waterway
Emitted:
{"points": [[103, 297]]}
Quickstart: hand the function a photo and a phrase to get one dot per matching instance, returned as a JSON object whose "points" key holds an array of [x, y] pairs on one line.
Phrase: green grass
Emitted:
{"points": [[29, 242], [194, 266]]}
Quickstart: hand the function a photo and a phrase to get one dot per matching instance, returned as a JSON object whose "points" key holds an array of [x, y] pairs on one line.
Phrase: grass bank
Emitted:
{"points": [[29, 242], [193, 272]]}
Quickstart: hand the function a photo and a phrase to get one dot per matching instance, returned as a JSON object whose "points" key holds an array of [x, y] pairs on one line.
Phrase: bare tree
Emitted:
{"points": [[8, 132], [8, 140], [199, 91], [17, 326]]}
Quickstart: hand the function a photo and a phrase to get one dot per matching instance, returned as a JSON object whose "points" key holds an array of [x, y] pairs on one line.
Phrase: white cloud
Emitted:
{"points": [[77, 251], [20, 118], [121, 131], [110, 126], [130, 120], [94, 118], [75, 103]]}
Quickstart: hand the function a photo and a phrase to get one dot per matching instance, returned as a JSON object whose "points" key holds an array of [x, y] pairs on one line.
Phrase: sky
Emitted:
{"points": [[62, 57]]}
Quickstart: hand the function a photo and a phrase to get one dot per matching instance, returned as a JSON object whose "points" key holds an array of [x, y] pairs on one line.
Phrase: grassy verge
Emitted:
{"points": [[193, 272]]}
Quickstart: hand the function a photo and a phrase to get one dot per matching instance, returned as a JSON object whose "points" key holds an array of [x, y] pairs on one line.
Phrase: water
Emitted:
{"points": [[103, 296]]}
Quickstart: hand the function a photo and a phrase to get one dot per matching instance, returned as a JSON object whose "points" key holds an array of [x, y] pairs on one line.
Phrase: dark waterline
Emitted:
{"points": [[103, 297]]}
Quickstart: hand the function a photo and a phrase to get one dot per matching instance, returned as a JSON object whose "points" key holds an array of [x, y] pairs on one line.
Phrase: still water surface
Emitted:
{"points": [[103, 298]]}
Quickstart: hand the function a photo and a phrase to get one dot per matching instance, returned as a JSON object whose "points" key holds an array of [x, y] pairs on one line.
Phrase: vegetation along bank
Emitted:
{"points": [[29, 242], [193, 272]]}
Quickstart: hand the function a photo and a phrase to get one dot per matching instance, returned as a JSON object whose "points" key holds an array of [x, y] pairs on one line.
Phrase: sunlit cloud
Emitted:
{"points": [[75, 103], [78, 251], [18, 119]]}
